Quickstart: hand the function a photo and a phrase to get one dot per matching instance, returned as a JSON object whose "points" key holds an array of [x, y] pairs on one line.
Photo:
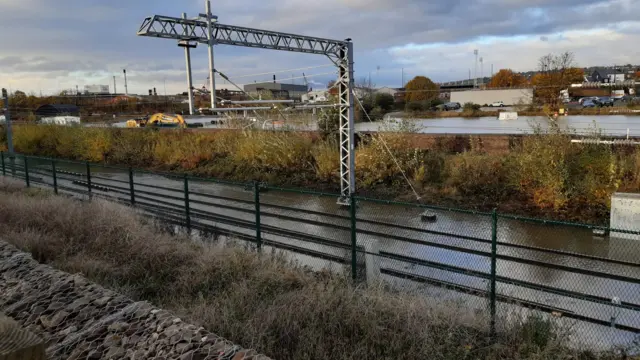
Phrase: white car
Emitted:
{"points": [[497, 104]]}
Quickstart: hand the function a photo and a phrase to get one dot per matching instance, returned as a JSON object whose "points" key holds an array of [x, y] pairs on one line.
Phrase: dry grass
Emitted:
{"points": [[261, 301]]}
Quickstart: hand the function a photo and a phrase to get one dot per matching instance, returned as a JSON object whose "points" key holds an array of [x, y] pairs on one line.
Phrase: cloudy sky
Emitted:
{"points": [[48, 45]]}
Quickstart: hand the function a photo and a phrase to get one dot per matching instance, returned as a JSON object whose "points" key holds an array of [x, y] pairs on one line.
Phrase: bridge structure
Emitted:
{"points": [[205, 30]]}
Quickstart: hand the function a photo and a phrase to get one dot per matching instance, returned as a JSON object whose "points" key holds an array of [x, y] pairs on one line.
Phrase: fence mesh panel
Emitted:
{"points": [[587, 278]]}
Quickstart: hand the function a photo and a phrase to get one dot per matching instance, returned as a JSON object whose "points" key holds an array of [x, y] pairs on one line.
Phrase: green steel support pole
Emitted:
{"points": [[89, 180], [55, 177], [256, 197], [4, 170], [354, 244], [187, 210], [494, 250], [131, 188], [26, 171], [12, 163]]}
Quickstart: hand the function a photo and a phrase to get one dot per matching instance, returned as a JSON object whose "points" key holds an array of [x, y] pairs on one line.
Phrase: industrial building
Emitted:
{"points": [[280, 91], [96, 89], [485, 97]]}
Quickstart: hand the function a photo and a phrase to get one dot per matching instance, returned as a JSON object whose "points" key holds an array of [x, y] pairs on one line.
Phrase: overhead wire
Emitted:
{"points": [[384, 143], [249, 95], [281, 71]]}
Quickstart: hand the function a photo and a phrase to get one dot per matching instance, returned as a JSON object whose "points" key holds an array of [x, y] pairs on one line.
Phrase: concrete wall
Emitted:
{"points": [[481, 97]]}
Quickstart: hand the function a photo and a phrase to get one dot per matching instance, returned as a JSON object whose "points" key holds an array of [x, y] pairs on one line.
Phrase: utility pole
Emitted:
{"points": [[492, 70], [126, 88], [475, 71], [212, 71], [9, 132], [402, 77], [115, 91], [481, 71], [187, 54]]}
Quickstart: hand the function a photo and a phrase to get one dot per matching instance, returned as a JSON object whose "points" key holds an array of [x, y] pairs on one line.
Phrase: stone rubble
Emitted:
{"points": [[82, 320]]}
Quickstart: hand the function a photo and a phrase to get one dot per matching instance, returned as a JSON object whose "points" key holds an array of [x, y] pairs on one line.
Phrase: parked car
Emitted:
{"points": [[589, 103], [604, 101], [588, 98], [452, 106], [497, 104]]}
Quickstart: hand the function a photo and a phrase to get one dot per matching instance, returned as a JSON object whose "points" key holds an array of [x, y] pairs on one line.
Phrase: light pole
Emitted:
{"points": [[475, 71], [481, 71], [126, 86]]}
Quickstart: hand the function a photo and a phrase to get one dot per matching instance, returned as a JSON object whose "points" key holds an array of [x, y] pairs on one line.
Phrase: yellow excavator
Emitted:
{"points": [[158, 120]]}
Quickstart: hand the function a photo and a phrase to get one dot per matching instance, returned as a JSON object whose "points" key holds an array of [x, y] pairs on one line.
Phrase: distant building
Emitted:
{"points": [[286, 91], [387, 90], [58, 114], [96, 89], [315, 96], [399, 95], [57, 110], [605, 75], [482, 97]]}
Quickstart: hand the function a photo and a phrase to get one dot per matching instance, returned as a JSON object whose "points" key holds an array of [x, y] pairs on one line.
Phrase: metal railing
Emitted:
{"points": [[586, 275]]}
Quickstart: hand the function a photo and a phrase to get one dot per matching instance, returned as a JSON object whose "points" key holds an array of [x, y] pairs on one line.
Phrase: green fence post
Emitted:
{"points": [[26, 171], [12, 163], [494, 250], [131, 188], [354, 243], [4, 171], [187, 210], [55, 176], [256, 197], [89, 180]]}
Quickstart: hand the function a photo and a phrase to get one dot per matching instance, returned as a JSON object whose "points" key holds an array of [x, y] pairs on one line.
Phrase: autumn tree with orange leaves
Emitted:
{"points": [[506, 78], [556, 72]]}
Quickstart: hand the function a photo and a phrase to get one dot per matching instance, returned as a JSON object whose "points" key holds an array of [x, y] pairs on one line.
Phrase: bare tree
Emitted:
{"points": [[556, 72]]}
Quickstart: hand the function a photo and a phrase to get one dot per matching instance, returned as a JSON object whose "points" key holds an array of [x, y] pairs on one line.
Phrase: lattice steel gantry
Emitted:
{"points": [[339, 52]]}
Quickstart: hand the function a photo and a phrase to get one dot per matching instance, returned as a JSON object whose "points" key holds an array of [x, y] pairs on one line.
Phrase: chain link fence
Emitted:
{"points": [[585, 277]]}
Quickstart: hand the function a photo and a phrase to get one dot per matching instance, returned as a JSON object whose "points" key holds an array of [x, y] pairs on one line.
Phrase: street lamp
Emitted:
{"points": [[475, 70]]}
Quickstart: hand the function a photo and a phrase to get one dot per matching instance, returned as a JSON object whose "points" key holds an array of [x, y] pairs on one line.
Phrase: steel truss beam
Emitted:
{"points": [[167, 27], [340, 53]]}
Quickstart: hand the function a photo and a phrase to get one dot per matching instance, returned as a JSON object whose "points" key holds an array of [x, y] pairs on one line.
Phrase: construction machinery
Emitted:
{"points": [[158, 120]]}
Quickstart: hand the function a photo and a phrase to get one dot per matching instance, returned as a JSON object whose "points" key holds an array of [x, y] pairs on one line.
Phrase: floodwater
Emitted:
{"points": [[612, 125], [382, 227]]}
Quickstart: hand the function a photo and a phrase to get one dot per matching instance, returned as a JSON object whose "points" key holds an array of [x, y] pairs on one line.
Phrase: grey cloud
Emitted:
{"points": [[419, 21], [10, 61], [88, 36]]}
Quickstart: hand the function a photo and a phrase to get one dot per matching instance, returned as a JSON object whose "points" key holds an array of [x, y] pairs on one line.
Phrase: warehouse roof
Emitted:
{"points": [[57, 110]]}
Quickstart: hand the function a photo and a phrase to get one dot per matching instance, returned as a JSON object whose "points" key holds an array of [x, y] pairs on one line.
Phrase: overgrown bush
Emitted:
{"points": [[545, 172], [475, 174], [327, 161]]}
